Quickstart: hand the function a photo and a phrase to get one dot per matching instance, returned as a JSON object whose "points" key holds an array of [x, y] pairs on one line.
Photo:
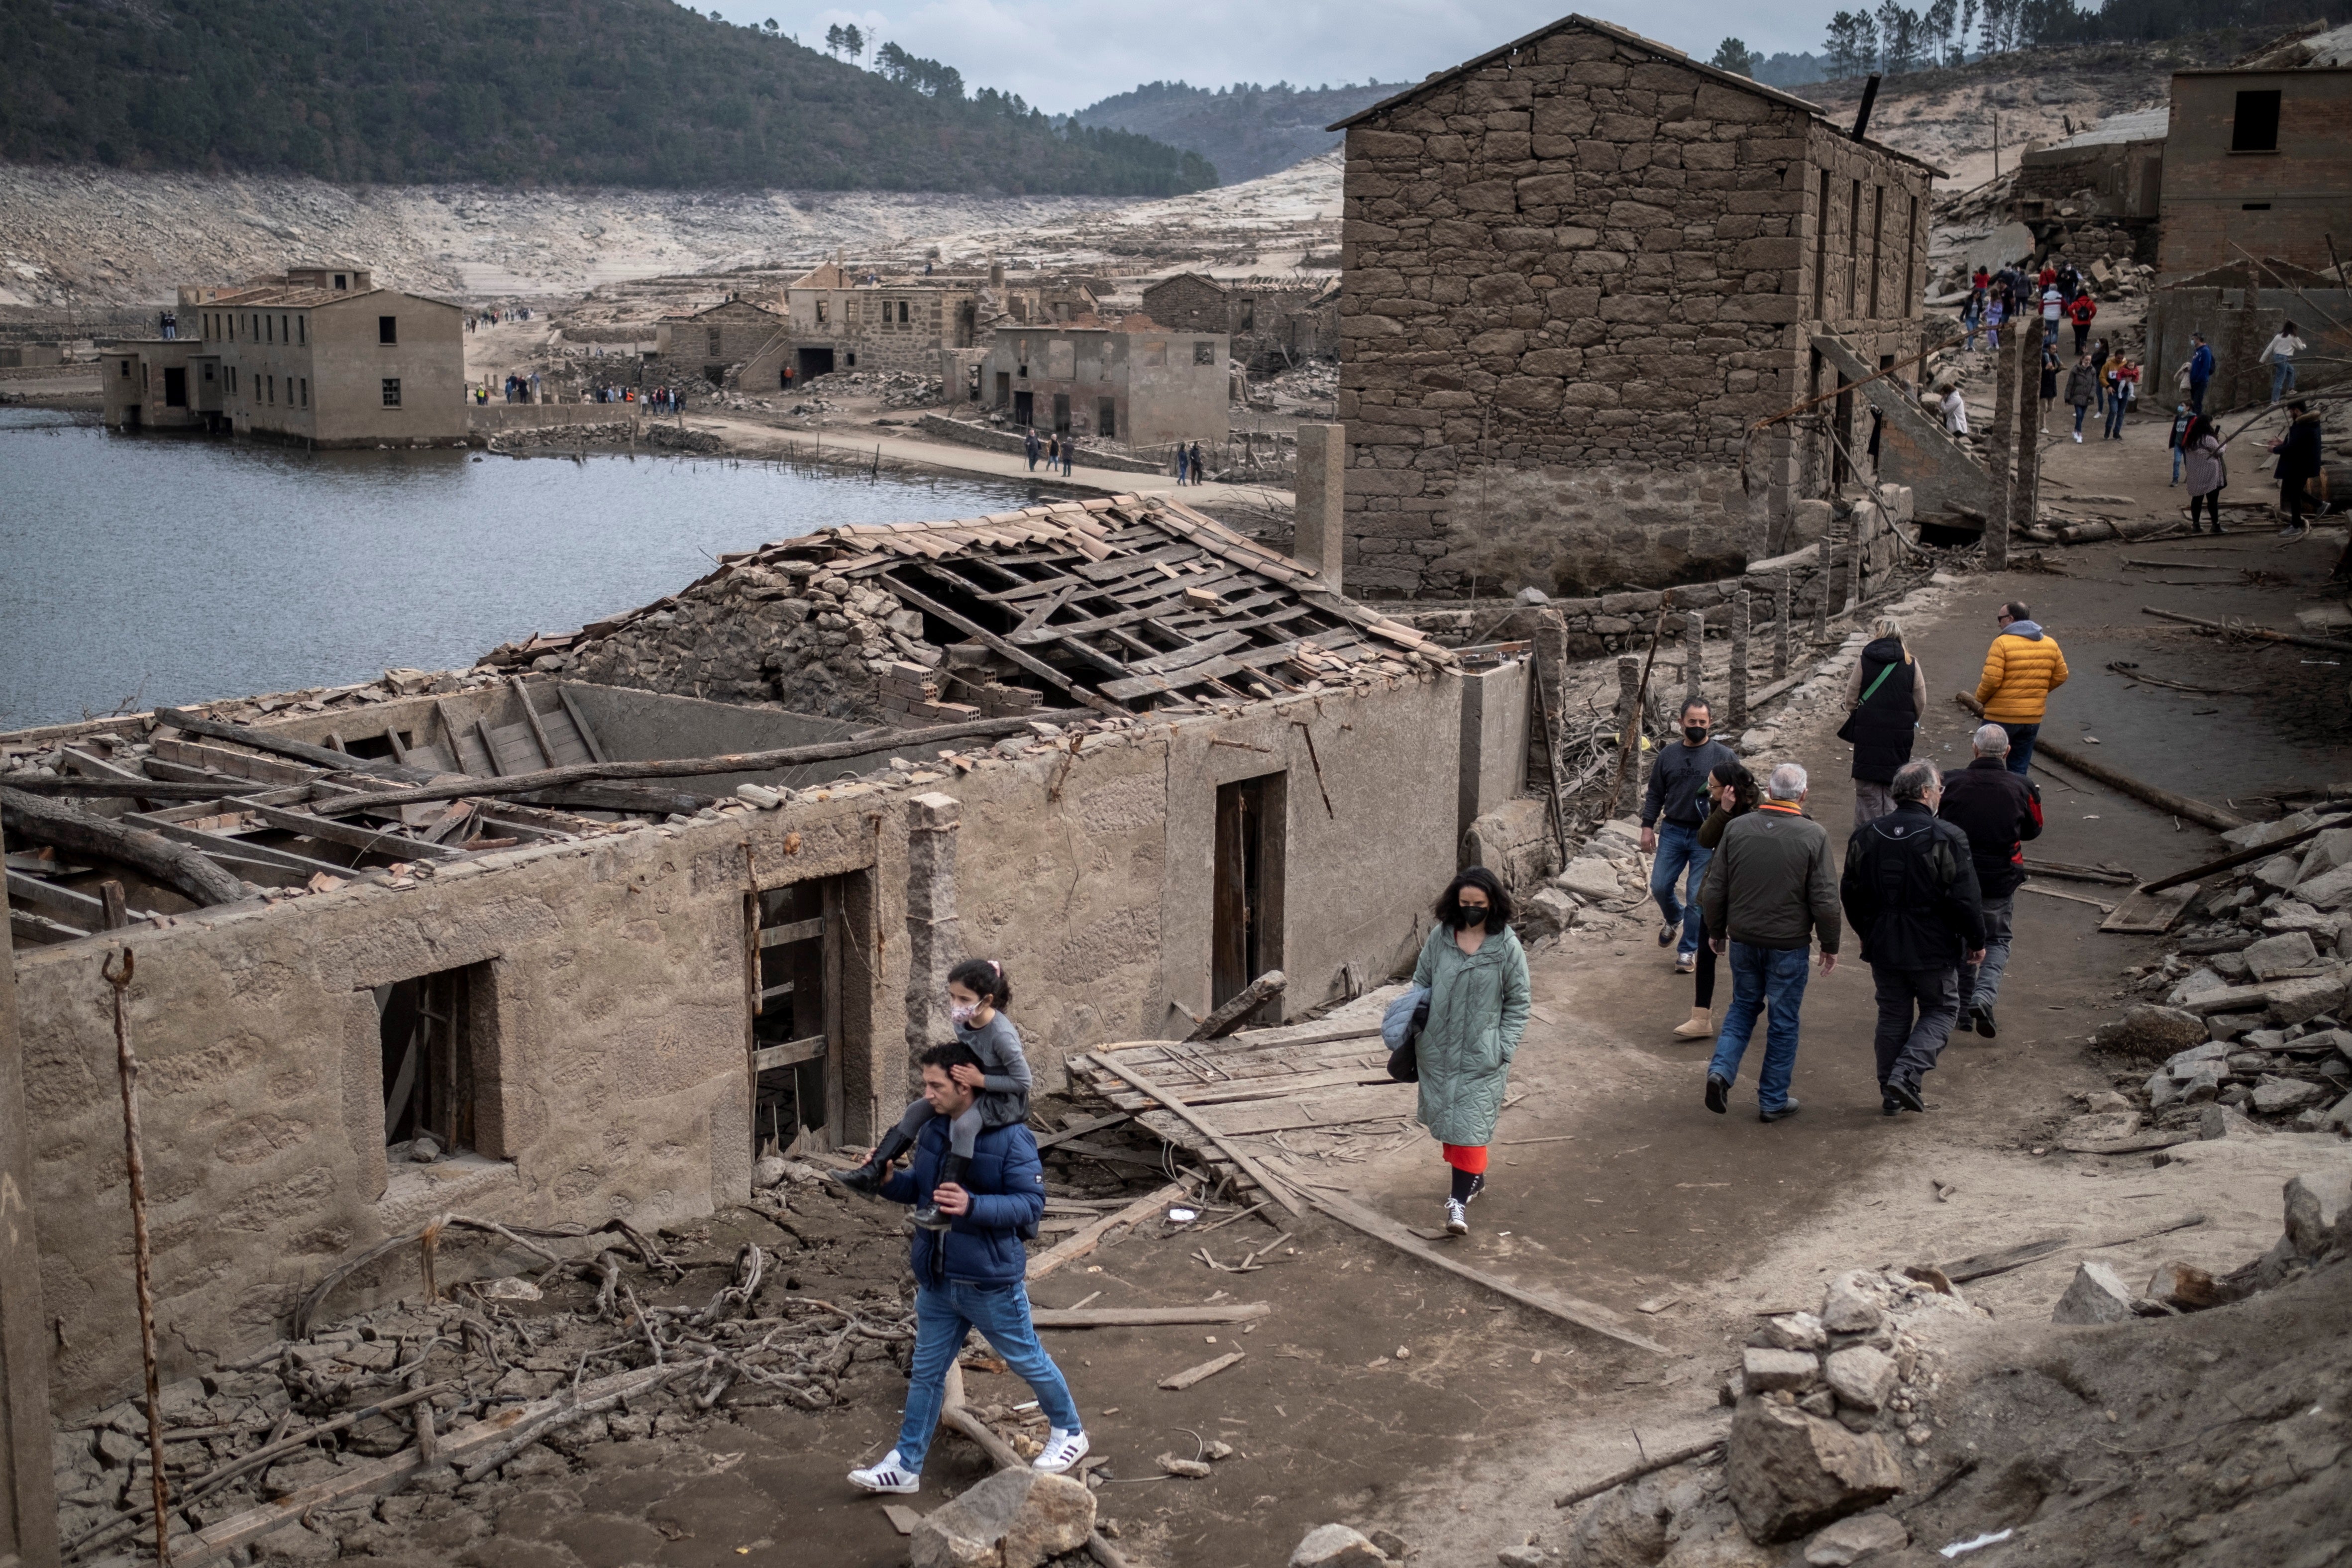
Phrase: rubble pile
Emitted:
{"points": [[2246, 1027], [659, 435]]}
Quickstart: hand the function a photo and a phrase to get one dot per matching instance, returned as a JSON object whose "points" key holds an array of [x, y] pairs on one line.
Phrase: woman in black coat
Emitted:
{"points": [[2298, 464], [1887, 692]]}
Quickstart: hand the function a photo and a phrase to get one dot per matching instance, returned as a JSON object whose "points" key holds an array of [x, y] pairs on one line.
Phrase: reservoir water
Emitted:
{"points": [[138, 571]]}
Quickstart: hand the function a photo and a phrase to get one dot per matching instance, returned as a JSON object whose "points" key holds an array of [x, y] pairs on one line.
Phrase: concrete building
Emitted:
{"points": [[599, 1019], [1578, 269], [1130, 380], [2254, 159], [321, 355]]}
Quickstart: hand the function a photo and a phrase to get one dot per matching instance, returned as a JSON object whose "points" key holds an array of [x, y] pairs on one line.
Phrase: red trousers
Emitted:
{"points": [[1470, 1160]]}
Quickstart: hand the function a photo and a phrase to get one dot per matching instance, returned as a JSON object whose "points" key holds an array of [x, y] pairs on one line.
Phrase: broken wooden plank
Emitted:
{"points": [[2265, 633], [83, 788], [334, 833], [1148, 1317], [2145, 913], [1983, 1265], [1224, 1020], [283, 745], [996, 643], [2073, 872], [2148, 794], [1086, 1240], [29, 819], [1080, 1129], [2140, 1144], [1177, 1383], [2244, 857], [1654, 1462], [1279, 1191], [1600, 1319]]}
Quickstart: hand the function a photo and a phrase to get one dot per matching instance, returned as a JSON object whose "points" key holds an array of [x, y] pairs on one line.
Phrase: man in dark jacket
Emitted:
{"points": [[1768, 889], [1910, 890], [1999, 811], [2298, 464], [1673, 808], [969, 1276]]}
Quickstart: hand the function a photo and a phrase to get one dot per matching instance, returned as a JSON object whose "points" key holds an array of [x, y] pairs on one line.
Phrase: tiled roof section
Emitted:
{"points": [[1123, 604], [285, 296]]}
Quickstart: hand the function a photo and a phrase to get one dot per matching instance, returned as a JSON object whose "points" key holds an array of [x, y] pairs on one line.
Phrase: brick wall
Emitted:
{"points": [[1574, 277]]}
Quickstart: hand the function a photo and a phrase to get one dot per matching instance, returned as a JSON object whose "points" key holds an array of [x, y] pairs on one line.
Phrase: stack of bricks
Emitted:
{"points": [[911, 698]]}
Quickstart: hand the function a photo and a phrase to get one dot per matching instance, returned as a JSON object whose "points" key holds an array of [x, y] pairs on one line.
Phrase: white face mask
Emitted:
{"points": [[963, 1012]]}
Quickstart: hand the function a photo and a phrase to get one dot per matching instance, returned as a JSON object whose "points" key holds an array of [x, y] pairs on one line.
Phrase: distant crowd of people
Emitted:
{"points": [[480, 321]]}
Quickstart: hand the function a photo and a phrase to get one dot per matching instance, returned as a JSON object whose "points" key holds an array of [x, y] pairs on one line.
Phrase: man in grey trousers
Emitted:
{"points": [[2000, 811]]}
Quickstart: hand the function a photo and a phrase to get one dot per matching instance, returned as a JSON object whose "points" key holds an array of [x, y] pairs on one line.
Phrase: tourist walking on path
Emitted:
{"points": [[2081, 386], [2050, 369], [1770, 891], [2081, 310], [2021, 668], [1956, 411], [1910, 894], [1999, 811], [1029, 445], [1476, 976], [1971, 318], [2200, 370], [1200, 475], [1181, 461], [2122, 391], [970, 1275], [1885, 693], [1996, 310], [1069, 455], [2298, 464], [1732, 790], [2099, 357], [2054, 306], [1673, 808], [2279, 351], [2205, 460], [2181, 420]]}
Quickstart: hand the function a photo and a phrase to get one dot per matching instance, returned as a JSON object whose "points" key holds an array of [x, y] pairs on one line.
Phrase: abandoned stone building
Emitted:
{"points": [[2255, 162], [319, 355], [1132, 380], [2099, 192], [840, 323], [725, 340], [1272, 324], [389, 967], [1578, 269]]}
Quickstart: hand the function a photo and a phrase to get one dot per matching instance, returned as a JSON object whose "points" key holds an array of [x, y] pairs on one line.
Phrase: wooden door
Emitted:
{"points": [[1245, 916]]}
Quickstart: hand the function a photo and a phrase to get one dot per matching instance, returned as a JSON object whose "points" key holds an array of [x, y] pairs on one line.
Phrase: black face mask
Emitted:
{"points": [[1466, 915], [1696, 734]]}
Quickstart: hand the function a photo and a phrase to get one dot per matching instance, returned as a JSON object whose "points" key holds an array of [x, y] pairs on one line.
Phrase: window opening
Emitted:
{"points": [[2254, 128], [1204, 353], [387, 329], [1106, 418], [429, 1059], [392, 392]]}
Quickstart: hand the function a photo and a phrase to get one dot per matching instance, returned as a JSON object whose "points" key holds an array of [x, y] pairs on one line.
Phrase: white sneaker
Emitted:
{"points": [[2078, 439], [888, 1476], [1457, 1222], [1063, 1450], [1686, 963]]}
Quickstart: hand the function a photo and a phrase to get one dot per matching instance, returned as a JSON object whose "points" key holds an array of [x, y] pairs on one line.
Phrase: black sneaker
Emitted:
{"points": [[1477, 1185], [1719, 1095], [2295, 532], [1668, 933], [1887, 1105], [1983, 1012], [1905, 1094], [1782, 1115]]}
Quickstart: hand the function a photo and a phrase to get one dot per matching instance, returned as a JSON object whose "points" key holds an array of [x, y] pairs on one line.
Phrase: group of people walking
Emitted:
{"points": [[1189, 470], [1058, 449], [2057, 293], [2200, 456], [1934, 860], [480, 321]]}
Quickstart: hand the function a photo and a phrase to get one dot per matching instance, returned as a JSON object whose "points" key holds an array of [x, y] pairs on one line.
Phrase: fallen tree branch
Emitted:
{"points": [[32, 820], [2244, 857], [2261, 632], [2148, 794], [1651, 1466]]}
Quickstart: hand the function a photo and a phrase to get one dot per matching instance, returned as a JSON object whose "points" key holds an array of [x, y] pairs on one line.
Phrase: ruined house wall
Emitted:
{"points": [[1189, 303], [2220, 205], [612, 1001], [1573, 279]]}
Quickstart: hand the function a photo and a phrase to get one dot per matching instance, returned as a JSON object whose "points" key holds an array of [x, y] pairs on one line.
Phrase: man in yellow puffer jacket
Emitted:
{"points": [[2023, 667]]}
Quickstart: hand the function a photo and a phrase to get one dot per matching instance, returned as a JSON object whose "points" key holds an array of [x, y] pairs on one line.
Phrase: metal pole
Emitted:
{"points": [[28, 1498], [127, 1066], [2006, 389]]}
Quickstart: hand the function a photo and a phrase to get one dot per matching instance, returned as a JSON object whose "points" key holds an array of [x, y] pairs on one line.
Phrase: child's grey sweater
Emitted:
{"points": [[1003, 1097]]}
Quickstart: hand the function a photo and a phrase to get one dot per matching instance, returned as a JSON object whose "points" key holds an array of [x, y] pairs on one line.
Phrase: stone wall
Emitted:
{"points": [[1574, 277], [1189, 303]]}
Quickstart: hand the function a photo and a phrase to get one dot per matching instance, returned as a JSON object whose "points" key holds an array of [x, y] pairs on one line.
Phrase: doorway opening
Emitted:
{"points": [[436, 1055], [805, 980], [1024, 408], [815, 362], [1245, 914], [175, 388]]}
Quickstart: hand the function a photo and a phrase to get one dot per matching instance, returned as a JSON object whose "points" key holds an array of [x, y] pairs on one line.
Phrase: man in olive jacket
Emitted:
{"points": [[1769, 890]]}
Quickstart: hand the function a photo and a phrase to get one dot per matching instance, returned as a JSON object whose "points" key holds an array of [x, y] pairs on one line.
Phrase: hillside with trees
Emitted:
{"points": [[529, 92], [1245, 129]]}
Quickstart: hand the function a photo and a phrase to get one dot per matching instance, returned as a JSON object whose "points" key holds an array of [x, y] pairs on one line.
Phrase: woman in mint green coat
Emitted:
{"points": [[1476, 973]]}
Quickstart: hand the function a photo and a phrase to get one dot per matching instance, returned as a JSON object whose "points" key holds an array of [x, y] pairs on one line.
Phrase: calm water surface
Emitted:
{"points": [[144, 569]]}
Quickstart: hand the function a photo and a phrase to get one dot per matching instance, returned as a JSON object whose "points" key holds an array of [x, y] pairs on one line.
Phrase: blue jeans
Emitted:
{"points": [[1759, 975], [943, 1318], [2020, 745], [2175, 464], [2079, 409], [2282, 378], [2116, 407], [1678, 848]]}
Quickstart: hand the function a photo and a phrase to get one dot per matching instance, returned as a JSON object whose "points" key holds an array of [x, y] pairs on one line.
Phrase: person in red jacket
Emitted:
{"points": [[2080, 310]]}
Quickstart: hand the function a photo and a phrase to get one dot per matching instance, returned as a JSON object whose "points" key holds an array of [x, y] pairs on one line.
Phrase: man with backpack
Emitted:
{"points": [[1910, 890], [1999, 811], [2081, 310]]}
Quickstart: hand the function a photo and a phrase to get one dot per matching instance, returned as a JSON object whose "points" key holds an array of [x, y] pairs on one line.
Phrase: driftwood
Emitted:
{"points": [[1655, 1462], [1147, 1317], [1074, 1247], [68, 827], [1983, 1265], [2244, 857], [1279, 1191], [1583, 1314], [87, 788], [284, 745], [2149, 794], [526, 1237], [2263, 633], [1177, 1383], [677, 768], [1224, 1020]]}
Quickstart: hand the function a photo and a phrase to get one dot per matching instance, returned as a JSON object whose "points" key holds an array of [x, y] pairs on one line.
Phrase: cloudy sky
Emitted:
{"points": [[1062, 55]]}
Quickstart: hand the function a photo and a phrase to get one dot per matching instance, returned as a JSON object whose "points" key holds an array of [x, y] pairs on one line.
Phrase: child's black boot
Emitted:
{"points": [[951, 1169], [867, 1177]]}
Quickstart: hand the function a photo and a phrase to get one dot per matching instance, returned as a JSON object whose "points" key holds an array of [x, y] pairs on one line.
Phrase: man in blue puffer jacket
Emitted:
{"points": [[970, 1276]]}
